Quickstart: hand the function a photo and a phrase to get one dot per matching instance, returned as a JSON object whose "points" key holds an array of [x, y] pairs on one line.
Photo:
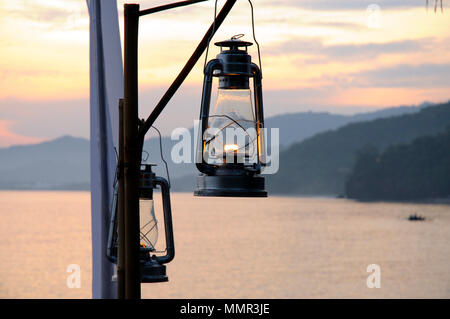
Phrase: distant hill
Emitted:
{"points": [[64, 163], [59, 164], [293, 128], [320, 165], [297, 127], [419, 170]]}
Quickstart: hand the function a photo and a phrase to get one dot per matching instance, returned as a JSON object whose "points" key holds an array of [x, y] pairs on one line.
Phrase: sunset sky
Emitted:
{"points": [[321, 55]]}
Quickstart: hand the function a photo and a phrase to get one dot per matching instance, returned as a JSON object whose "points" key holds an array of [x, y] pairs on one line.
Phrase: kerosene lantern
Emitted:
{"points": [[152, 264], [230, 152], [153, 267]]}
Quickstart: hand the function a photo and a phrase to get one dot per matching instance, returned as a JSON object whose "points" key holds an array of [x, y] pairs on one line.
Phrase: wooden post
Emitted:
{"points": [[128, 272], [121, 211], [132, 154]]}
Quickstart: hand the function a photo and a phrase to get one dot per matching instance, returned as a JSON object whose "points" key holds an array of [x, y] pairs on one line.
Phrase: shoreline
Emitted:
{"points": [[437, 201]]}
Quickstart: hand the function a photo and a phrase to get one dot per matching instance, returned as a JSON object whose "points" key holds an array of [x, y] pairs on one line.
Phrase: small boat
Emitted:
{"points": [[415, 217]]}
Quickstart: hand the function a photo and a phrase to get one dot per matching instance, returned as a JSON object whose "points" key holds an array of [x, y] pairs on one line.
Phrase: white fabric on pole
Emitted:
{"points": [[106, 87]]}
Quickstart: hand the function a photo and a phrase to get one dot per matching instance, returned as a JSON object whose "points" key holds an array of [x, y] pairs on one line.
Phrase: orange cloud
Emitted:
{"points": [[8, 138], [314, 54], [386, 97]]}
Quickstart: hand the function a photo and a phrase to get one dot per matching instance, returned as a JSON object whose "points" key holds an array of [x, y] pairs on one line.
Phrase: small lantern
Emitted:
{"points": [[230, 151], [152, 266]]}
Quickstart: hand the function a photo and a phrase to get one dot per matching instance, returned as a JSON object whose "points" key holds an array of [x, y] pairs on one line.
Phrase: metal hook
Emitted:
{"points": [[237, 36]]}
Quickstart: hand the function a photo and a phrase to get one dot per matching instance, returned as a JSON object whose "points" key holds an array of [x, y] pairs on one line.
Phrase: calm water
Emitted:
{"points": [[238, 248]]}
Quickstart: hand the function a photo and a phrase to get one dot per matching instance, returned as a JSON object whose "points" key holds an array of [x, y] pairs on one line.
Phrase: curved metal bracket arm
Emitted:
{"points": [[168, 6], [185, 71]]}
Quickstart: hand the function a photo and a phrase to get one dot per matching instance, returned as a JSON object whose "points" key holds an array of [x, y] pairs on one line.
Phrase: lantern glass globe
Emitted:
{"points": [[231, 129]]}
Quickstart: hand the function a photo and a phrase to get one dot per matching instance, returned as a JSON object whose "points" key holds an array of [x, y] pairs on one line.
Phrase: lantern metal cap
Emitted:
{"points": [[234, 43], [230, 186]]}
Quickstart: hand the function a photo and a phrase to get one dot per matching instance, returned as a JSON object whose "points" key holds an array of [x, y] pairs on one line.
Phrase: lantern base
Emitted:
{"points": [[153, 271], [230, 186]]}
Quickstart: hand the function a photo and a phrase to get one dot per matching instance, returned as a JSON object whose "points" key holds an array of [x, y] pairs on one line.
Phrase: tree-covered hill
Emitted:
{"points": [[321, 164], [419, 170]]}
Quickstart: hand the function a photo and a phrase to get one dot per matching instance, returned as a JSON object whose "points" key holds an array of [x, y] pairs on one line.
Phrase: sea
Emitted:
{"points": [[276, 247]]}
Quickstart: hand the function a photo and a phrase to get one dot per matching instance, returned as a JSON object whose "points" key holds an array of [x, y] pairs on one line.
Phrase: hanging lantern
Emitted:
{"points": [[230, 151], [152, 264]]}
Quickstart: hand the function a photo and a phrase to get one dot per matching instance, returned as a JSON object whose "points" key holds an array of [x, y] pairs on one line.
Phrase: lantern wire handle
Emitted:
{"points": [[212, 33], [254, 36], [162, 154], [238, 36]]}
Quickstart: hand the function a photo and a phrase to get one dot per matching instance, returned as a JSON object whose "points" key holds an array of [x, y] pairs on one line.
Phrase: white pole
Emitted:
{"points": [[106, 87]]}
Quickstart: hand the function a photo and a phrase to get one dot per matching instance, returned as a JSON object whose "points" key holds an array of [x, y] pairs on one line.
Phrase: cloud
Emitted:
{"points": [[53, 118], [67, 14], [338, 25], [46, 118], [348, 4], [8, 137], [405, 76], [7, 73], [349, 52]]}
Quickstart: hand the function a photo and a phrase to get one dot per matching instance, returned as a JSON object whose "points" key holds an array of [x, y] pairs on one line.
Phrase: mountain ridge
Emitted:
{"points": [[319, 165], [63, 163]]}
